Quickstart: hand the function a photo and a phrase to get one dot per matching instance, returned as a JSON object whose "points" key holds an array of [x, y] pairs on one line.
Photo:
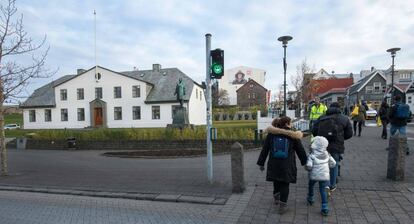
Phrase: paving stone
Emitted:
{"points": [[194, 199]]}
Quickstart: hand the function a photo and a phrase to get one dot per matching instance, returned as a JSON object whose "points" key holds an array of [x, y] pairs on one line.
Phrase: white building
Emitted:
{"points": [[236, 77], [100, 97]]}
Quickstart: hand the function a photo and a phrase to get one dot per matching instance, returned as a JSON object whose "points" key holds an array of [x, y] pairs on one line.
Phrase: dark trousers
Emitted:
{"points": [[359, 127], [282, 188], [384, 128]]}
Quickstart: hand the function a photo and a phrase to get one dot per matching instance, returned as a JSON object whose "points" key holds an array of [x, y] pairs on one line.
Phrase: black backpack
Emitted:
{"points": [[328, 127]]}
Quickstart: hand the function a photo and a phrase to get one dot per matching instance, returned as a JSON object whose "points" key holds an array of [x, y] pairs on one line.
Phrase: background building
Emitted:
{"points": [[104, 98], [251, 94], [236, 77]]}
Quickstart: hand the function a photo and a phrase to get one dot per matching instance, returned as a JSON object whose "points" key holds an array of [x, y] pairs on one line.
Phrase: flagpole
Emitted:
{"points": [[96, 65]]}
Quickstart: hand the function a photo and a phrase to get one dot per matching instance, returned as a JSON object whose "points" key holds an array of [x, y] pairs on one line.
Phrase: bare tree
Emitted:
{"points": [[221, 98], [302, 82], [21, 60]]}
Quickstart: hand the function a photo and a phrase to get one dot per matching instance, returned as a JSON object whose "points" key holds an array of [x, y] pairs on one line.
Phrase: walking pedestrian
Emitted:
{"points": [[365, 105], [337, 128], [358, 116], [317, 110], [280, 147], [399, 113], [383, 114], [318, 164]]}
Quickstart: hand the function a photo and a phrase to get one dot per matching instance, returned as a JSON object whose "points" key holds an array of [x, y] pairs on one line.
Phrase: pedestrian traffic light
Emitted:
{"points": [[217, 63]]}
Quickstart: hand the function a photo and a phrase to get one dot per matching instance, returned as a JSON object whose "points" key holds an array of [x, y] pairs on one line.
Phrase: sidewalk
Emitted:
{"points": [[364, 195]]}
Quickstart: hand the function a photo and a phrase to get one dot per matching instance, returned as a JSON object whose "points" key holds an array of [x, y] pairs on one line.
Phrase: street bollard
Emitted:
{"points": [[237, 168], [256, 137], [261, 136], [396, 158]]}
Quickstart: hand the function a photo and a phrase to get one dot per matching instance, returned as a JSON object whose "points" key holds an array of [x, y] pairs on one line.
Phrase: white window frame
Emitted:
{"points": [[63, 94], [32, 115], [48, 114], [118, 113]]}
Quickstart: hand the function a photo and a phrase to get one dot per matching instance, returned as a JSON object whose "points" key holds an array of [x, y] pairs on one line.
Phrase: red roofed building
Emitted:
{"points": [[322, 86], [330, 90]]}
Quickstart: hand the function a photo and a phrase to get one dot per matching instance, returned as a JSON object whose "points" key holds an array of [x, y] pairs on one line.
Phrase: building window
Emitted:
{"points": [[201, 95], [64, 114], [81, 114], [248, 95], [254, 95], [405, 76], [117, 113], [156, 112], [196, 93], [80, 93], [369, 89], [117, 92], [136, 113], [48, 115], [377, 87], [384, 88], [251, 85], [32, 116], [136, 91], [63, 94], [409, 99], [98, 93]]}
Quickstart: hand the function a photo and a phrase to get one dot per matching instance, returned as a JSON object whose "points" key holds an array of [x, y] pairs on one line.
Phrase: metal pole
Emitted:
{"points": [[284, 79], [94, 39], [209, 110], [392, 80]]}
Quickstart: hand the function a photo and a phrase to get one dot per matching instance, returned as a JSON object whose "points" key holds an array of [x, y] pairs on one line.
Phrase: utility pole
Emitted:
{"points": [[209, 110]]}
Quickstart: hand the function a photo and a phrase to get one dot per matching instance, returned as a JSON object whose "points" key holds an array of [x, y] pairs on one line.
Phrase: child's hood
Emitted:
{"points": [[319, 145]]}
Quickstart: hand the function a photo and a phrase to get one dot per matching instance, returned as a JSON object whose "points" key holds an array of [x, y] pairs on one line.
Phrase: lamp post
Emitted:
{"points": [[284, 40], [393, 52]]}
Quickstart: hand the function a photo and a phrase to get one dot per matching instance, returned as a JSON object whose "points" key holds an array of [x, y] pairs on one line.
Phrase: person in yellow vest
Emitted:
{"points": [[317, 110]]}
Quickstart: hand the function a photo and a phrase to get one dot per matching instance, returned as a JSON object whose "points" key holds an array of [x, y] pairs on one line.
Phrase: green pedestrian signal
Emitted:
{"points": [[217, 68], [217, 63]]}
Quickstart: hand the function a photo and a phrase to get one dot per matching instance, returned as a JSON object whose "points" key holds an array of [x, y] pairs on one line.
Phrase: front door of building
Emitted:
{"points": [[98, 116]]}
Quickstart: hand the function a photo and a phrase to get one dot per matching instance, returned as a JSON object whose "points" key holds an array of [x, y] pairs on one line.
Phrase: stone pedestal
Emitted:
{"points": [[396, 157], [180, 119], [237, 168]]}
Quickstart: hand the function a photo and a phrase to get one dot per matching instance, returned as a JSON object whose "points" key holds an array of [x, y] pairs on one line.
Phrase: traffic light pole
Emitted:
{"points": [[209, 110]]}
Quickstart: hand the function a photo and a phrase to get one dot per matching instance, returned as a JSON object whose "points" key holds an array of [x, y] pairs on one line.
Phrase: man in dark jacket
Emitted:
{"points": [[397, 123], [336, 145]]}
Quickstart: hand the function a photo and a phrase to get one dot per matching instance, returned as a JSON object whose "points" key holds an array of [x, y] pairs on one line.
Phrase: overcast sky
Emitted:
{"points": [[341, 36]]}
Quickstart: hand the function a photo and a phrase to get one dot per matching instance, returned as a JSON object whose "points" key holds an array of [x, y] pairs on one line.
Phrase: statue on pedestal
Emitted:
{"points": [[180, 91]]}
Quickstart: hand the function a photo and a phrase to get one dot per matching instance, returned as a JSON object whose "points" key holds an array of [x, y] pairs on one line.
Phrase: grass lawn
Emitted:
{"points": [[225, 130], [235, 124]]}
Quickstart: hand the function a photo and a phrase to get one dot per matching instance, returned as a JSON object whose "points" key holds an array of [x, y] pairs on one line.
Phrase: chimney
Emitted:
{"points": [[333, 72], [80, 71], [156, 67], [372, 68]]}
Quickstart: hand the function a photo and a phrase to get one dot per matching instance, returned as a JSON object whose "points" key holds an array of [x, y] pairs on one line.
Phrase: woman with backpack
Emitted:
{"points": [[383, 114], [358, 116], [280, 147]]}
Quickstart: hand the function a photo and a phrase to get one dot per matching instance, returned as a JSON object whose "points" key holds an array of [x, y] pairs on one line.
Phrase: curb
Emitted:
{"points": [[123, 195]]}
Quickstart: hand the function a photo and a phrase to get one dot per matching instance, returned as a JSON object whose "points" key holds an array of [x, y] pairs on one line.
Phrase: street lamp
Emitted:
{"points": [[284, 40], [393, 52]]}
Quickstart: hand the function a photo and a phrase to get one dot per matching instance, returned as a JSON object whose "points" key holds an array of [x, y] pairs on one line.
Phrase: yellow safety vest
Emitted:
{"points": [[317, 111]]}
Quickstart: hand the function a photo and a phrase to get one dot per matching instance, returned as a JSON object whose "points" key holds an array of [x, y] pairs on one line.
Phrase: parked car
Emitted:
{"points": [[11, 126], [371, 114]]}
